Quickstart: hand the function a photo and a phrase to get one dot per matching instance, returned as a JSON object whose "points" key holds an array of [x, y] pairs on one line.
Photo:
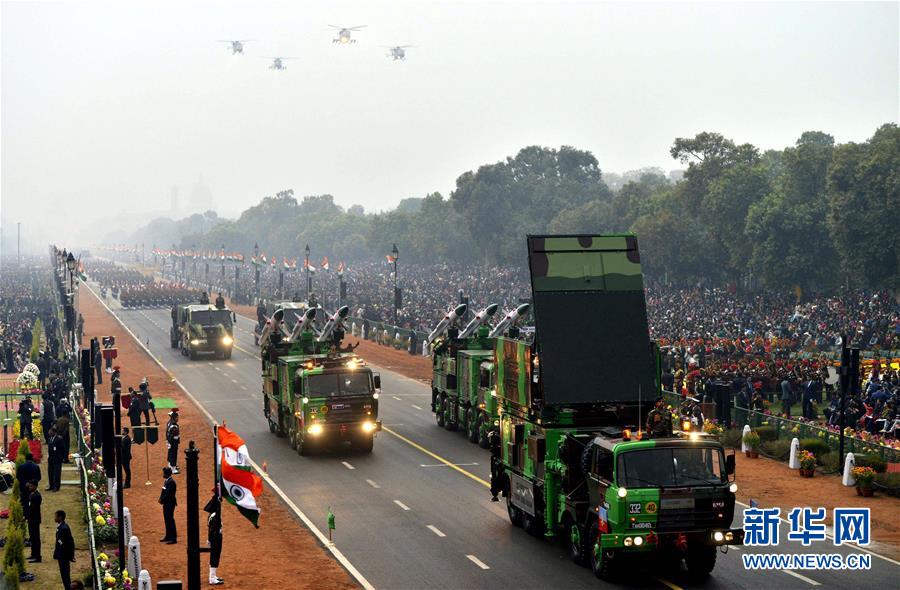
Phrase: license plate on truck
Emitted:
{"points": [[521, 492]]}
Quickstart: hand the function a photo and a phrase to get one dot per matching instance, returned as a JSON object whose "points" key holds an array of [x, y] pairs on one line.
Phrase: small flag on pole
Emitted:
{"points": [[340, 270], [325, 263], [330, 522]]}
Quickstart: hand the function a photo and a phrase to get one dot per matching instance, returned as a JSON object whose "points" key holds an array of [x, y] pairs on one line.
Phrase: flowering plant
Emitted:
{"points": [[752, 439], [26, 380], [31, 368], [807, 460], [712, 427], [864, 476]]}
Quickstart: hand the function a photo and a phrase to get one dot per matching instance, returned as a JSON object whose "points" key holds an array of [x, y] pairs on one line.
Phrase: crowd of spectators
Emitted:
{"points": [[25, 297]]}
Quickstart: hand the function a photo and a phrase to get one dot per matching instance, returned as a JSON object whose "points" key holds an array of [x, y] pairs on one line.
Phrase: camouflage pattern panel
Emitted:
{"points": [[513, 366], [590, 318], [585, 263]]}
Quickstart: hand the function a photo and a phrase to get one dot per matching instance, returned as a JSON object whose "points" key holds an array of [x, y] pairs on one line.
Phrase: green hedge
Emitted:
{"points": [[779, 449], [816, 446], [889, 483], [873, 461], [766, 433]]}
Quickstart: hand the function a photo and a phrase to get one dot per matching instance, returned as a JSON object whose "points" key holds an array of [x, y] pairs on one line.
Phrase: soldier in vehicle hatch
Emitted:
{"points": [[659, 420]]}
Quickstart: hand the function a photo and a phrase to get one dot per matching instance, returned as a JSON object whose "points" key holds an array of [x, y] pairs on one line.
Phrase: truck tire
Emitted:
{"points": [[472, 425], [448, 415], [577, 541], [515, 515], [603, 565], [483, 429], [303, 446], [700, 560], [439, 411], [193, 355], [533, 525], [228, 354], [364, 444]]}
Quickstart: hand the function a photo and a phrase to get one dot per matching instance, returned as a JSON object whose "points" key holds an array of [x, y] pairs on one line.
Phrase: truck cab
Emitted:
{"points": [[202, 329], [324, 400]]}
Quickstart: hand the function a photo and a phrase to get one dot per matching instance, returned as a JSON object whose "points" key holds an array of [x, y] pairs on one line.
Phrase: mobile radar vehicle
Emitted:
{"points": [[572, 458]]}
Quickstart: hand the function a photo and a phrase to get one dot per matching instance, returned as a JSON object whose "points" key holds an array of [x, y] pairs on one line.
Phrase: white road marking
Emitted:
{"points": [[218, 369], [209, 363], [234, 380], [802, 577], [416, 407], [347, 465], [435, 530], [373, 484], [401, 504], [244, 387], [478, 562], [226, 374], [448, 464], [397, 398]]}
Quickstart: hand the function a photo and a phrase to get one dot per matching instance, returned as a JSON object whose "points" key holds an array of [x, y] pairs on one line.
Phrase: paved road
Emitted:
{"points": [[408, 520]]}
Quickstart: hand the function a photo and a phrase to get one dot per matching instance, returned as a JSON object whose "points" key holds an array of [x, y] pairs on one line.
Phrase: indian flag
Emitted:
{"points": [[239, 485]]}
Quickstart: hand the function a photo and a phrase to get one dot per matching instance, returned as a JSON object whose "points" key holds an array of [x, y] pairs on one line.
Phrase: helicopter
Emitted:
{"points": [[344, 33], [277, 62], [236, 46], [398, 51]]}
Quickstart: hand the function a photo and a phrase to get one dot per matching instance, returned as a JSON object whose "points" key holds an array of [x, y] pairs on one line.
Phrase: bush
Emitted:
{"points": [[816, 446], [732, 438], [766, 433], [16, 515], [14, 551], [752, 439], [11, 577], [889, 483], [779, 449], [873, 461]]}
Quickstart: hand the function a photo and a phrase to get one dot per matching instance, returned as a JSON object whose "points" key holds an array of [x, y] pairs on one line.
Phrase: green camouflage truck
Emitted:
{"points": [[462, 372], [314, 392], [571, 458], [202, 329]]}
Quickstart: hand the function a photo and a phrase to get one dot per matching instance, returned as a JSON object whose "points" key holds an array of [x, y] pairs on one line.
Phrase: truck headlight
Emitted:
{"points": [[638, 541], [733, 488], [305, 400], [227, 340], [368, 426], [375, 395], [729, 536], [195, 342], [628, 541], [718, 537], [622, 492], [315, 429]]}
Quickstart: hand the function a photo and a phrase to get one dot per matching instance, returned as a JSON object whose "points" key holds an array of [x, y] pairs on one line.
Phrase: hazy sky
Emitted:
{"points": [[108, 105]]}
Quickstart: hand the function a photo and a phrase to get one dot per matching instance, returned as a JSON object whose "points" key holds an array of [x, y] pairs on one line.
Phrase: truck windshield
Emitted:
{"points": [[338, 384], [211, 318], [671, 467]]}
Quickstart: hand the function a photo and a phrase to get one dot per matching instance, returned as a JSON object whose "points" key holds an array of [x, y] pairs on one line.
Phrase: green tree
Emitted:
{"points": [[863, 188]]}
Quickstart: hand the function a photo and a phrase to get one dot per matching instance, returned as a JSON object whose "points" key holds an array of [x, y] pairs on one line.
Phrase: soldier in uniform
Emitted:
{"points": [[173, 438], [168, 500], [220, 301], [204, 298], [659, 420], [497, 475], [214, 537]]}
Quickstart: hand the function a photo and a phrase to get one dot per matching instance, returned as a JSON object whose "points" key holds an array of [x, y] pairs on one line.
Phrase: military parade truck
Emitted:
{"points": [[571, 458], [315, 392], [202, 329], [462, 372]]}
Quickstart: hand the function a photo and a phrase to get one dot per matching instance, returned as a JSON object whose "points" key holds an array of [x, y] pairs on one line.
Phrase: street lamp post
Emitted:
{"points": [[70, 264], [306, 267], [396, 255]]}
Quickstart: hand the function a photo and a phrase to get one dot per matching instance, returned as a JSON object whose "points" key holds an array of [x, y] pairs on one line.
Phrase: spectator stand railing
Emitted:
{"points": [[789, 428]]}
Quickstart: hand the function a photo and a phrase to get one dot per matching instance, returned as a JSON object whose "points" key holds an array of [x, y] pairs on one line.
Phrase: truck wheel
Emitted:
{"points": [[533, 525], [602, 564], [228, 354], [193, 355], [700, 560], [439, 412], [483, 429], [448, 415], [364, 444], [303, 447], [472, 425], [292, 436], [577, 545], [515, 515]]}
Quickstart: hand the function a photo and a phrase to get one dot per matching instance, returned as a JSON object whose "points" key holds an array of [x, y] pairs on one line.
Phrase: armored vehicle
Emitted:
{"points": [[202, 329]]}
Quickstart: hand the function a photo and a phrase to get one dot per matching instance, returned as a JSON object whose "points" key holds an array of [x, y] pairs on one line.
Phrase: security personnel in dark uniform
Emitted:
{"points": [[497, 475], [33, 517], [26, 407], [204, 298], [126, 457], [659, 420], [214, 536], [220, 301], [173, 438], [169, 502], [64, 550]]}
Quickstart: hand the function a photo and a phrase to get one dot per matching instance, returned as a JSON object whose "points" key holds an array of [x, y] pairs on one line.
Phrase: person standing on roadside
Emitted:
{"points": [[126, 457], [169, 502], [64, 550], [55, 454], [214, 537], [173, 438], [33, 517]]}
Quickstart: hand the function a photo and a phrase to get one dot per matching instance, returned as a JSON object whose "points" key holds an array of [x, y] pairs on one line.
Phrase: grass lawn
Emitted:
{"points": [[68, 499]]}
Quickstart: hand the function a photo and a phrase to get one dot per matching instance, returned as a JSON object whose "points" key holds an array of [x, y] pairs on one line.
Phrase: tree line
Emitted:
{"points": [[815, 215]]}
